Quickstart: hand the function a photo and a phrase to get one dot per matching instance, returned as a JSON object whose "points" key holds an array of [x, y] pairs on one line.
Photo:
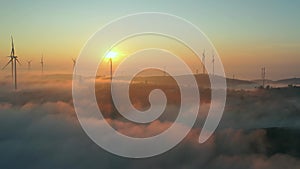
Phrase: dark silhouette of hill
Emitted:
{"points": [[281, 82], [289, 81], [202, 80]]}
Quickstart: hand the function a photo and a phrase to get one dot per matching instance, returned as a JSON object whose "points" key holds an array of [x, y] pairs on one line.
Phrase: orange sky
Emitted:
{"points": [[247, 35]]}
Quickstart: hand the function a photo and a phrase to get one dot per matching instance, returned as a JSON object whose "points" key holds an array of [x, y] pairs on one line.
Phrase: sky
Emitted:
{"points": [[247, 35]]}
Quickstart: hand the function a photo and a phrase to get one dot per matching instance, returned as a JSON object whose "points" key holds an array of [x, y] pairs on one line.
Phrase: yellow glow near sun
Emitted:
{"points": [[111, 55]]}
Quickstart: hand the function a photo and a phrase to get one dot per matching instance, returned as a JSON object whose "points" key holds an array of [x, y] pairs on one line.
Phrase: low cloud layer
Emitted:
{"points": [[39, 129]]}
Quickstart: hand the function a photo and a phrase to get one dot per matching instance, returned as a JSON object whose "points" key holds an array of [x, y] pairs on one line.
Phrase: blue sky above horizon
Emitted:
{"points": [[247, 35]]}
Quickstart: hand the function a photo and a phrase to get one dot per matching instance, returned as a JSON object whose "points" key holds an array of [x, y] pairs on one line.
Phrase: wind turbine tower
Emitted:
{"points": [[213, 62], [203, 62], [42, 63], [74, 63], [29, 64], [263, 76]]}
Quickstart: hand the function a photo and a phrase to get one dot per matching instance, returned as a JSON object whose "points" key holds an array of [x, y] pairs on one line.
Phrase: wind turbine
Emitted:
{"points": [[263, 76], [74, 62], [110, 55], [111, 67], [13, 61], [213, 62], [42, 63], [203, 62], [29, 64]]}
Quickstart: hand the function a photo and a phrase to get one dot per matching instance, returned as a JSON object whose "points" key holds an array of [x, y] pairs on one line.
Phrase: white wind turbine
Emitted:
{"points": [[29, 65], [42, 63], [13, 61]]}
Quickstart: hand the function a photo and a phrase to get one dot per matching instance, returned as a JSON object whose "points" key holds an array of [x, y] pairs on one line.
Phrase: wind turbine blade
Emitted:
{"points": [[12, 42], [12, 47], [7, 64], [18, 61]]}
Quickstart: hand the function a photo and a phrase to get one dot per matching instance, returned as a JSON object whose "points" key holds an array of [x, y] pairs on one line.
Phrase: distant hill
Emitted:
{"points": [[289, 81], [259, 81], [279, 83], [202, 80]]}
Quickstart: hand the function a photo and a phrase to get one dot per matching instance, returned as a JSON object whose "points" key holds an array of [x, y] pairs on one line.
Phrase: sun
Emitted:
{"points": [[111, 55]]}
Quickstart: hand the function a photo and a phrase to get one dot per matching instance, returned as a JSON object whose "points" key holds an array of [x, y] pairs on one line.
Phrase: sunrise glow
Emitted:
{"points": [[149, 84], [111, 55]]}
